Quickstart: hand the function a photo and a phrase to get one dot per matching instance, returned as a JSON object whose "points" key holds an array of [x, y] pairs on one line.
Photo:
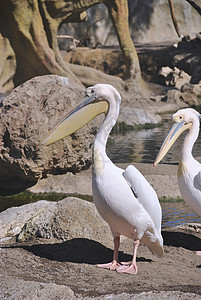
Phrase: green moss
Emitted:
{"points": [[28, 197], [172, 200]]}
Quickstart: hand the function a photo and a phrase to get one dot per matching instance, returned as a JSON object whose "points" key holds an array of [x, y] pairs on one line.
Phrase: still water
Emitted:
{"points": [[143, 145], [177, 213]]}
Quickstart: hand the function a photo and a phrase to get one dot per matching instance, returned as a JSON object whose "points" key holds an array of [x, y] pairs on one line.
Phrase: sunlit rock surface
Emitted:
{"points": [[27, 114], [67, 219]]}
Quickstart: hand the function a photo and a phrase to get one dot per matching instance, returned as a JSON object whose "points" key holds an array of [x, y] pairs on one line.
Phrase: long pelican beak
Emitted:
{"points": [[177, 128], [76, 118]]}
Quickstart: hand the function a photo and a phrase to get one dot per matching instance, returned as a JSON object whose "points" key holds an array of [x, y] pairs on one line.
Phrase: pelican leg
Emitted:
{"points": [[115, 262], [132, 268]]}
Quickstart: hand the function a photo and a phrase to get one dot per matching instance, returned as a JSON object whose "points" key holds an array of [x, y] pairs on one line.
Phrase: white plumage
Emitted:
{"points": [[189, 169], [124, 199]]}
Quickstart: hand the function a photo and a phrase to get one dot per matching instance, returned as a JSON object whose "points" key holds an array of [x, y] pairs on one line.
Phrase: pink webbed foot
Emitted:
{"points": [[198, 252], [131, 269], [110, 266]]}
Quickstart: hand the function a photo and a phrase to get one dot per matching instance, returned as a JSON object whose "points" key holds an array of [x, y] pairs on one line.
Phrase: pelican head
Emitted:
{"points": [[183, 119], [97, 100]]}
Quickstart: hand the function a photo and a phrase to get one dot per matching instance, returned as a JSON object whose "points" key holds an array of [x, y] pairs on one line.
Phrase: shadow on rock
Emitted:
{"points": [[181, 239], [78, 251]]}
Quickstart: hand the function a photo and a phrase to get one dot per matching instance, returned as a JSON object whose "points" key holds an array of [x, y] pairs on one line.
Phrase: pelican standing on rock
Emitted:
{"points": [[124, 198], [189, 170]]}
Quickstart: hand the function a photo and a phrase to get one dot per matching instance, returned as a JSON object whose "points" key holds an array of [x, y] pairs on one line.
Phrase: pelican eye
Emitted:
{"points": [[89, 93], [178, 118]]}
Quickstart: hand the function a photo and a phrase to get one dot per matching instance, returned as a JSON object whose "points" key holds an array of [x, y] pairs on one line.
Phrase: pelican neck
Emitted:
{"points": [[108, 123]]}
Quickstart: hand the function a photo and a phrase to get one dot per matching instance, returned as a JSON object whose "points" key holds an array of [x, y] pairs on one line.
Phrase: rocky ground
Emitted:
{"points": [[46, 269], [65, 267]]}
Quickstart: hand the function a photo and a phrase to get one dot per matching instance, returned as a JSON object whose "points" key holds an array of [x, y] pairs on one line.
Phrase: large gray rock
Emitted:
{"points": [[27, 114], [186, 97], [15, 288], [70, 218], [13, 219], [67, 219]]}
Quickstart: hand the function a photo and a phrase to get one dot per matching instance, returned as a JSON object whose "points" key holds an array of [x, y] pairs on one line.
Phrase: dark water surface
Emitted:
{"points": [[143, 145], [177, 213]]}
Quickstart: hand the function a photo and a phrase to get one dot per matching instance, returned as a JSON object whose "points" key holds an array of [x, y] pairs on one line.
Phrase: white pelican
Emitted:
{"points": [[189, 170], [124, 199]]}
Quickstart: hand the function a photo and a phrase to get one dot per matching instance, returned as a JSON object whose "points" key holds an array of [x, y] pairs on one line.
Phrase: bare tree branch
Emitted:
{"points": [[171, 5], [195, 6]]}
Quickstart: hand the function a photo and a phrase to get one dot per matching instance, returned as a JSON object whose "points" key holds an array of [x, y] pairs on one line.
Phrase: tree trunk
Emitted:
{"points": [[28, 38], [118, 10]]}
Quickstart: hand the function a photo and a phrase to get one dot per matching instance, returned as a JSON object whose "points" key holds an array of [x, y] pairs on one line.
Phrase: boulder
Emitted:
{"points": [[17, 288], [71, 218], [174, 77], [180, 78], [181, 99], [67, 219], [192, 88], [13, 219], [165, 74], [190, 98], [27, 114]]}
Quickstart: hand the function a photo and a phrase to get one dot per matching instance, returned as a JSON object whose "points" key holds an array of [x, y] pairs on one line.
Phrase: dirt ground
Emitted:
{"points": [[73, 264], [44, 266]]}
